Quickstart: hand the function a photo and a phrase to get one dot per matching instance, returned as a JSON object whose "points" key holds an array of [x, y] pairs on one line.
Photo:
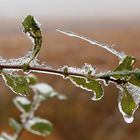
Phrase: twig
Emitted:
{"points": [[35, 104]]}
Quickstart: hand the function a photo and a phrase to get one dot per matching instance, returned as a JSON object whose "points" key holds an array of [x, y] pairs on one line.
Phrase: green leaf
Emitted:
{"points": [[23, 104], [32, 79], [45, 92], [18, 84], [91, 85], [135, 79], [15, 125], [39, 126], [127, 64], [32, 29], [128, 104]]}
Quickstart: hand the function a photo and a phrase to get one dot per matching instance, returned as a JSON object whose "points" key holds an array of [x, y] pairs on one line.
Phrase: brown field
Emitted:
{"points": [[78, 117]]}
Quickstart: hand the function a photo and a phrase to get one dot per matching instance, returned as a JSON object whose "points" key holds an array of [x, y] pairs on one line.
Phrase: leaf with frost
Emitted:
{"points": [[125, 65], [32, 29], [39, 126], [45, 91], [23, 104], [135, 79], [15, 125], [92, 85], [127, 104], [18, 84]]}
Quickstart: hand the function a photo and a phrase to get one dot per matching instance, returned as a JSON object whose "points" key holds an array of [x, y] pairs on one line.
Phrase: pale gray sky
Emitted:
{"points": [[70, 8]]}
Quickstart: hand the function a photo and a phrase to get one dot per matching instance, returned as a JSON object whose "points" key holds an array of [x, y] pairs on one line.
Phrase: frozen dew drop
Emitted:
{"points": [[128, 119]]}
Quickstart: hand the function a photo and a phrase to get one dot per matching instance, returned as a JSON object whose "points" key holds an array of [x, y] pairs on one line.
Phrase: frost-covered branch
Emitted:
{"points": [[101, 76]]}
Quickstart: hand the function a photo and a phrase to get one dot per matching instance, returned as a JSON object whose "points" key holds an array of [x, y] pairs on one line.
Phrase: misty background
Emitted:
{"points": [[70, 8], [70, 14]]}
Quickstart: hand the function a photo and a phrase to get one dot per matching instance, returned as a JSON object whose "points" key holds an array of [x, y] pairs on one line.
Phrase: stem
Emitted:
{"points": [[19, 134], [100, 76]]}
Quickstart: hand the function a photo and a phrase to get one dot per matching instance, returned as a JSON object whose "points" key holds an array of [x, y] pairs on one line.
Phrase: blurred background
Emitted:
{"points": [[110, 21]]}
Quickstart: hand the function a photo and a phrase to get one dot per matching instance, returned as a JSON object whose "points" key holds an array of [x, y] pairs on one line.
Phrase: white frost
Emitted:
{"points": [[21, 101], [43, 88], [84, 70], [135, 92]]}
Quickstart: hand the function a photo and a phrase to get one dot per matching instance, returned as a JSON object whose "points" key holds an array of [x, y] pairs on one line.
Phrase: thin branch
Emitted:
{"points": [[109, 48], [20, 134], [35, 105]]}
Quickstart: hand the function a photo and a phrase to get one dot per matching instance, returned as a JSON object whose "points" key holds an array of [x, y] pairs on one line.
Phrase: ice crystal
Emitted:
{"points": [[86, 68]]}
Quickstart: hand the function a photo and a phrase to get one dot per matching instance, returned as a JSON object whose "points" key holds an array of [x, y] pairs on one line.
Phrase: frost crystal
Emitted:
{"points": [[135, 91], [86, 68]]}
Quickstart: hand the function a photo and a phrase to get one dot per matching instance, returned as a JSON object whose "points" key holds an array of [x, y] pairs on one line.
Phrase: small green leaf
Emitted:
{"points": [[39, 126], [91, 85], [127, 64], [23, 104], [32, 29], [18, 84], [15, 125], [135, 79], [128, 104]]}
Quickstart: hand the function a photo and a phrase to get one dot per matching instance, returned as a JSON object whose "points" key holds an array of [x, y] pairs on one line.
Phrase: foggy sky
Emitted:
{"points": [[70, 8]]}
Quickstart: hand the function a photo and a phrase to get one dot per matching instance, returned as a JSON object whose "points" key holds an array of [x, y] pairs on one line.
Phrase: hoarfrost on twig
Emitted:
{"points": [[121, 55]]}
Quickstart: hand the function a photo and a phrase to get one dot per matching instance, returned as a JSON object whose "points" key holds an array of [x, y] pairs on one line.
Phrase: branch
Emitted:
{"points": [[35, 105], [109, 48]]}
